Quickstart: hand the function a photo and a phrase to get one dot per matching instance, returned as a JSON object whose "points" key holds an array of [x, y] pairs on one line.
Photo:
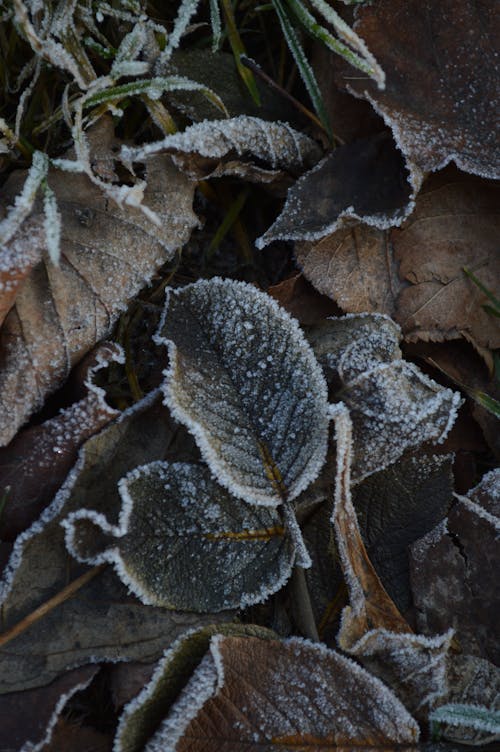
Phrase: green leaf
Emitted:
{"points": [[184, 542], [303, 65], [245, 382], [470, 716]]}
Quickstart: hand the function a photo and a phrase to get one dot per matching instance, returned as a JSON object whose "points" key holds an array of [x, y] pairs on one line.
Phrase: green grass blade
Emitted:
{"points": [[238, 49], [215, 22], [302, 63], [230, 218], [471, 716], [495, 309]]}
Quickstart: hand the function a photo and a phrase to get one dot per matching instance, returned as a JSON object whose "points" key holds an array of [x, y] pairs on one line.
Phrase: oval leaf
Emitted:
{"points": [[245, 382], [184, 542]]}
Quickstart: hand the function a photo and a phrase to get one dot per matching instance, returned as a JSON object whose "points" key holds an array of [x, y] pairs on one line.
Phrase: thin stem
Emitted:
{"points": [[302, 606], [49, 605]]}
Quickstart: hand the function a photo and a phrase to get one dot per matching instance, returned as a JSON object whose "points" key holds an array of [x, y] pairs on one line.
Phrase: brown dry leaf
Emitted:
{"points": [[455, 225], [302, 301], [372, 628], [36, 462], [355, 267], [17, 262], [28, 717], [107, 255], [250, 692], [415, 273], [454, 572], [440, 96], [101, 621]]}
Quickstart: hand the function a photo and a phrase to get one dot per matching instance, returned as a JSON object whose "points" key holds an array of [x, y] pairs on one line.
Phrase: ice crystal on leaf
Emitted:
{"points": [[184, 542], [245, 382]]}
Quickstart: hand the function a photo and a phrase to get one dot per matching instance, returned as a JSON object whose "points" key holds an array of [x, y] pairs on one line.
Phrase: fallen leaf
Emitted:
{"points": [[29, 717], [455, 225], [101, 621], [355, 267], [77, 738], [372, 628], [107, 255], [36, 462], [17, 262], [415, 273], [393, 406], [366, 180], [439, 97], [454, 572], [144, 714], [248, 691], [297, 296], [234, 146], [397, 506], [184, 542], [245, 382]]}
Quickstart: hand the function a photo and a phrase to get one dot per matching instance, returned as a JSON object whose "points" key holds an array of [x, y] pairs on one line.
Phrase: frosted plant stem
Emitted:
{"points": [[302, 606], [49, 605]]}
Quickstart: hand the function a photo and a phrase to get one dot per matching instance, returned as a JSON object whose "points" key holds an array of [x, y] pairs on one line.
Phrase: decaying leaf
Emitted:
{"points": [[231, 147], [366, 180], [355, 267], [440, 98], [106, 257], [372, 628], [454, 571], [455, 225], [37, 460], [145, 713], [101, 621], [247, 385], [396, 507], [184, 542], [29, 717], [17, 262], [393, 405], [415, 273], [252, 692]]}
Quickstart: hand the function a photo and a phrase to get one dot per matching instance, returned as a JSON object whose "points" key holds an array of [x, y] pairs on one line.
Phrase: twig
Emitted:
{"points": [[49, 605]]}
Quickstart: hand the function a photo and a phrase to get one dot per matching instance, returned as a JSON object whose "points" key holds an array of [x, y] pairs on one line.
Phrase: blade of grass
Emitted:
{"points": [[229, 219], [495, 309], [302, 62], [215, 22], [238, 49]]}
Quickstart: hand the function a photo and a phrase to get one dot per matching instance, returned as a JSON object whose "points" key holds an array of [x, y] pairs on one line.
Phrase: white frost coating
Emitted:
{"points": [[268, 413], [57, 504], [52, 225], [204, 683], [62, 701], [276, 143], [23, 203], [479, 511]]}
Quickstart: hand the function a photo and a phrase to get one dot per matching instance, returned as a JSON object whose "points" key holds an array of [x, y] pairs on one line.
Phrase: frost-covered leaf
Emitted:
{"points": [[294, 694], [372, 628], [415, 273], [28, 717], [440, 98], [475, 717], [24, 200], [101, 621], [454, 572], [231, 147], [245, 382], [145, 713], [396, 507], [107, 255], [17, 260], [184, 542], [367, 180], [393, 405], [34, 465]]}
